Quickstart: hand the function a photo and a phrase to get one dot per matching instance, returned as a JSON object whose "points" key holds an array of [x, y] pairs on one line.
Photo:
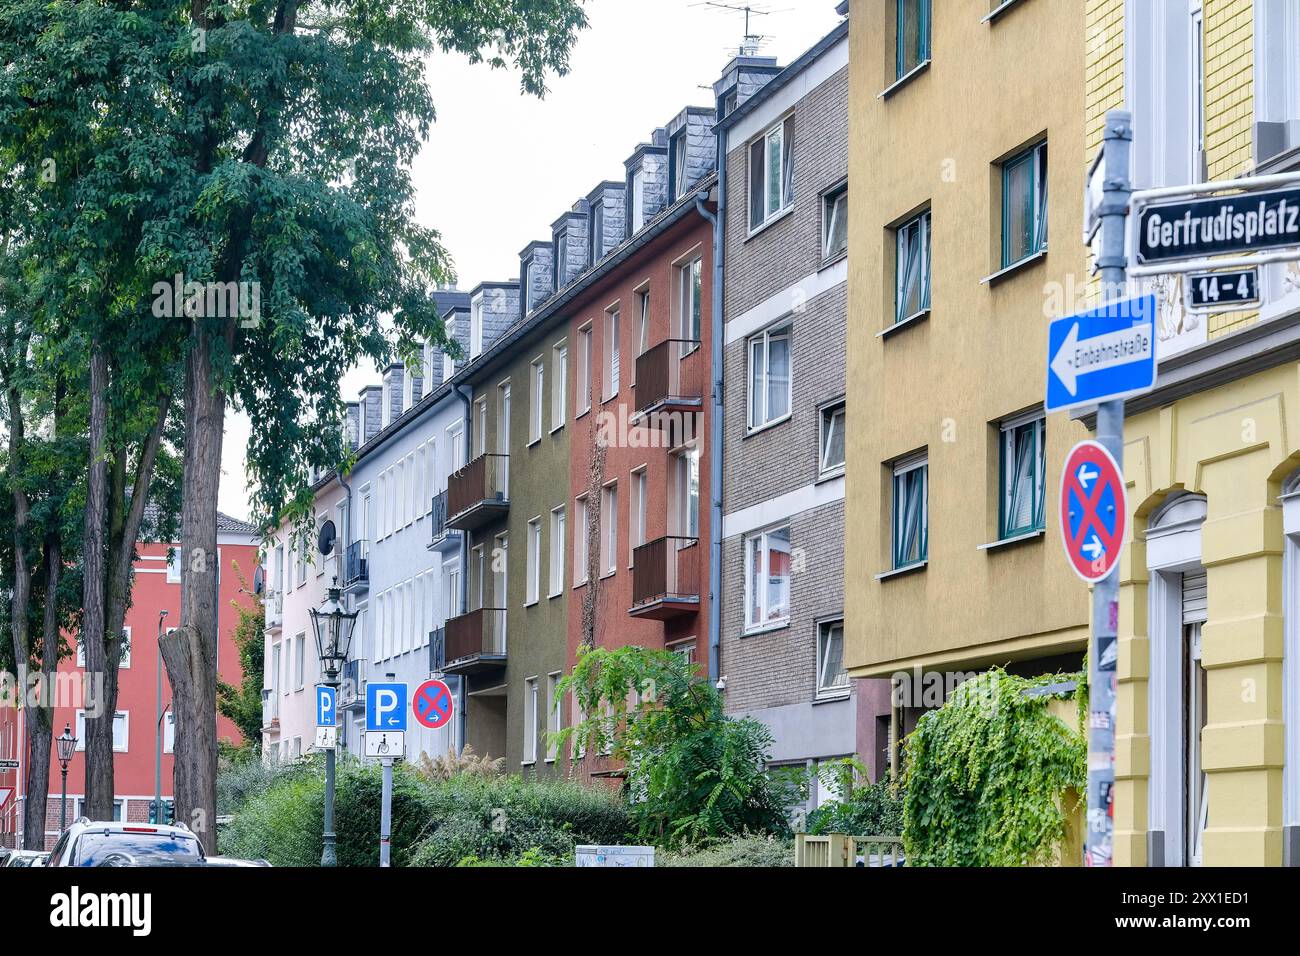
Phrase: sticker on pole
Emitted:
{"points": [[433, 704], [1093, 511]]}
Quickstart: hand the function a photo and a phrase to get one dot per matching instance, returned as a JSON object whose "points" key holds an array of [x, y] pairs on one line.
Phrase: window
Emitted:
{"points": [[451, 598], [583, 398], [560, 274], [537, 389], [554, 714], [169, 733], [558, 533], [480, 562], [684, 649], [581, 543], [1022, 470], [174, 566], [530, 720], [832, 439], [912, 268], [771, 174], [611, 353], [124, 650], [636, 510], [560, 385], [679, 166], [609, 528], [769, 377], [596, 248], [300, 661], [910, 521], [767, 579], [835, 223], [689, 282], [476, 327], [534, 584], [688, 493], [642, 330], [1024, 205], [121, 731], [832, 677], [913, 36]]}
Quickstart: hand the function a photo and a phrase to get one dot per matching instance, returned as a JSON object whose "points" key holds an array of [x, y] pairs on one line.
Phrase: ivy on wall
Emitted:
{"points": [[986, 776]]}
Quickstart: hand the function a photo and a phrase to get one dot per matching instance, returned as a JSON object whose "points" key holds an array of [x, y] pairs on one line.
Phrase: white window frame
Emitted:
{"points": [[831, 214], [609, 529], [611, 372], [774, 134], [300, 661], [765, 623], [537, 395], [476, 326], [554, 714], [760, 419], [830, 691], [559, 384], [533, 581], [581, 544], [530, 722], [636, 509], [559, 533], [901, 468], [124, 716], [832, 409], [1006, 432], [690, 305], [582, 398], [683, 509], [174, 566]]}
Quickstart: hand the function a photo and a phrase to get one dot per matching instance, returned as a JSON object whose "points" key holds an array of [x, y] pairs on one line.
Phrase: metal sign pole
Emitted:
{"points": [[386, 816], [1103, 656]]}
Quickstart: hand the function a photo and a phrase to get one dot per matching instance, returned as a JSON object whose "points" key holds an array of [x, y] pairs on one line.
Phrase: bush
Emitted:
{"points": [[283, 824], [750, 850], [517, 821], [873, 810], [242, 775]]}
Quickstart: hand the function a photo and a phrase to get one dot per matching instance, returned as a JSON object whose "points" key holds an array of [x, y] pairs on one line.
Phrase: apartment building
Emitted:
{"points": [[785, 311], [966, 204], [1208, 726], [136, 723]]}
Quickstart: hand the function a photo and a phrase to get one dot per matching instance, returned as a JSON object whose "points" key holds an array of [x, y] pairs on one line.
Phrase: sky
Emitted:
{"points": [[500, 166]]}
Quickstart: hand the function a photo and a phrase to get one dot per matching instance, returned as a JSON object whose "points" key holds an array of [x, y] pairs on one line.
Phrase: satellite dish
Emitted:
{"points": [[325, 540], [259, 580]]}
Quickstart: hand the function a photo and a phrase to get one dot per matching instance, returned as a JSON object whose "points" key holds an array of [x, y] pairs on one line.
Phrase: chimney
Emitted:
{"points": [[569, 244], [607, 219], [646, 183], [692, 150], [393, 381], [352, 427], [372, 407], [536, 274], [742, 78]]}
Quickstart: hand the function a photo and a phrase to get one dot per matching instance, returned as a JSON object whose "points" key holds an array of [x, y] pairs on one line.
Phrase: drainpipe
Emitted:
{"points": [[715, 424]]}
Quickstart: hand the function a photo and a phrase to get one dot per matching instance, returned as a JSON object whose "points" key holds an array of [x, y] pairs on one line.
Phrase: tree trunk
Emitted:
{"points": [[40, 719], [99, 719], [190, 651]]}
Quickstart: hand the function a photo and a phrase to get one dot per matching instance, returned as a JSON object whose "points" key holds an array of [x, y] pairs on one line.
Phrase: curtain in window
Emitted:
{"points": [[778, 574], [909, 517], [757, 376], [697, 277], [774, 171], [755, 581], [756, 184], [787, 160], [778, 377]]}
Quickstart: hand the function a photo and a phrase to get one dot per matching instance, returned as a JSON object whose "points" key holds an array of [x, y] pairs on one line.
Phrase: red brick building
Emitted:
{"points": [[156, 588]]}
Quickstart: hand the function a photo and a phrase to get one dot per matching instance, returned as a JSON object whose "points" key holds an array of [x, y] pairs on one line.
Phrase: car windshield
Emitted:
{"points": [[137, 849]]}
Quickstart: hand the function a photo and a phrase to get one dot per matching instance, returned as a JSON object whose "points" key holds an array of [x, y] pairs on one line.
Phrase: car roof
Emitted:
{"points": [[118, 826]]}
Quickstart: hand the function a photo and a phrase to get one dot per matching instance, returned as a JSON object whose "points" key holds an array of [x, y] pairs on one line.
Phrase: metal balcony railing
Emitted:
{"points": [[437, 650], [670, 376], [356, 564], [352, 689], [478, 492], [441, 533], [666, 577], [476, 641], [274, 602], [270, 710]]}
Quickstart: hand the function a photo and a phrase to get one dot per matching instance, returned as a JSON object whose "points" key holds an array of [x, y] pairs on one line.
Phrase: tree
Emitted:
{"points": [[243, 704], [694, 773], [260, 150]]}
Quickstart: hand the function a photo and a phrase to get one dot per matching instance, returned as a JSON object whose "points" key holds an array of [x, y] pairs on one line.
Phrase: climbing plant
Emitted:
{"points": [[988, 776]]}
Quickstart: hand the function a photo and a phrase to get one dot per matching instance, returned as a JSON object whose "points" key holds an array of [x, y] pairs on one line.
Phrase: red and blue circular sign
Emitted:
{"points": [[1094, 510], [433, 704]]}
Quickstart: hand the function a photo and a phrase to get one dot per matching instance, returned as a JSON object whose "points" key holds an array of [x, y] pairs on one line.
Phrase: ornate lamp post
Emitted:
{"points": [[67, 745], [333, 627]]}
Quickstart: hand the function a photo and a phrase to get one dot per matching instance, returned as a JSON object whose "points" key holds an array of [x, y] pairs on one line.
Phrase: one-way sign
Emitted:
{"points": [[1104, 354]]}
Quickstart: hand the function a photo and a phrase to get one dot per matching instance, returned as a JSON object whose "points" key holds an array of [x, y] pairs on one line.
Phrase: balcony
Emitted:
{"points": [[479, 493], [476, 642], [437, 650], [274, 603], [356, 568], [670, 377], [270, 709], [352, 692], [666, 578], [443, 538]]}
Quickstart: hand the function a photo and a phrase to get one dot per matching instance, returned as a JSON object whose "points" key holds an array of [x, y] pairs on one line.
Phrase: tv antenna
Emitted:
{"points": [[752, 42]]}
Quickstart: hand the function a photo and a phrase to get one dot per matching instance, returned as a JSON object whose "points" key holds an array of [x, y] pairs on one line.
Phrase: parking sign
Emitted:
{"points": [[327, 712], [386, 707]]}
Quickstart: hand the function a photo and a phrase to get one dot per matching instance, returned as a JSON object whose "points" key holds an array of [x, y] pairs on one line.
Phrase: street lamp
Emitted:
{"points": [[67, 745], [333, 627]]}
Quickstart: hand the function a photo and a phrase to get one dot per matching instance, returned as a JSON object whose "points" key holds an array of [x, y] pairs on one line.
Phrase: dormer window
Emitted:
{"points": [[729, 103], [596, 249], [476, 327], [561, 260], [638, 200], [526, 286], [679, 170], [448, 364]]}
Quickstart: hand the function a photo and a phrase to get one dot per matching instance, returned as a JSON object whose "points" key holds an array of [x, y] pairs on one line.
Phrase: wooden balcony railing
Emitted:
{"points": [[482, 485], [670, 376], [476, 640], [666, 577]]}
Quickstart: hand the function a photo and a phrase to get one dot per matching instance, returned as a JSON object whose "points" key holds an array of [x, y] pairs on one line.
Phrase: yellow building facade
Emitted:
{"points": [[1206, 762], [966, 196]]}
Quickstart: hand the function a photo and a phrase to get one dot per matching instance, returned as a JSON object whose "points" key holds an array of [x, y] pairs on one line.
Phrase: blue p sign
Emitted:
{"points": [[386, 707], [326, 711]]}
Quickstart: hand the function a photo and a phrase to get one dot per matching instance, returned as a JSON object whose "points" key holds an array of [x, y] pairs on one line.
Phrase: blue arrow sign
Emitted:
{"points": [[1104, 354], [327, 712], [386, 707]]}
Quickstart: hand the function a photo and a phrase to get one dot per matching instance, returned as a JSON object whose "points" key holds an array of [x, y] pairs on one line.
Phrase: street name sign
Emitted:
{"points": [[327, 712], [386, 707], [1219, 225], [1223, 290], [327, 738], [433, 704], [8, 764], [1101, 355], [1093, 511], [383, 743]]}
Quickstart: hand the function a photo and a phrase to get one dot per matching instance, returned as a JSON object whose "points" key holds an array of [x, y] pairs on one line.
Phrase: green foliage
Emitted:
{"points": [[746, 850], [243, 704], [282, 824], [986, 776], [872, 810], [694, 774]]}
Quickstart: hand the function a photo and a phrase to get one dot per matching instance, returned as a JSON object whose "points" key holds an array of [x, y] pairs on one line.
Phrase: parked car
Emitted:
{"points": [[231, 861], [126, 844], [26, 858]]}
